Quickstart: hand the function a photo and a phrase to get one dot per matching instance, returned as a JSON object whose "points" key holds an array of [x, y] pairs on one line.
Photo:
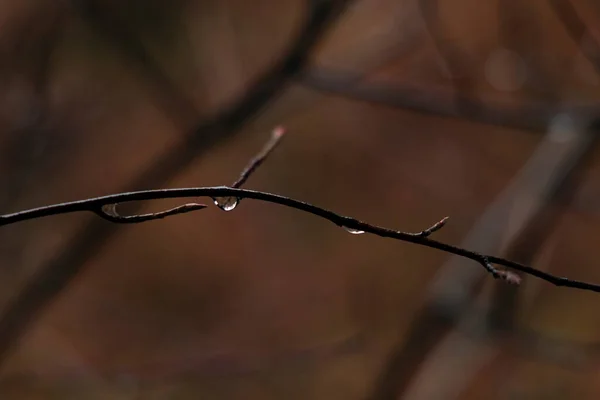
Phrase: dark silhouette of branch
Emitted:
{"points": [[33, 53], [50, 279], [350, 224], [519, 32], [229, 203]]}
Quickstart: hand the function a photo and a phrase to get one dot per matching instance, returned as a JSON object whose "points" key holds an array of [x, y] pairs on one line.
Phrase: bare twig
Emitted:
{"points": [[434, 228], [256, 162], [349, 223], [109, 213], [229, 203], [50, 279]]}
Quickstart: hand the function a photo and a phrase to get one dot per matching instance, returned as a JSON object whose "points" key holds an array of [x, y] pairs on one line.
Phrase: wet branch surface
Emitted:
{"points": [[100, 205]]}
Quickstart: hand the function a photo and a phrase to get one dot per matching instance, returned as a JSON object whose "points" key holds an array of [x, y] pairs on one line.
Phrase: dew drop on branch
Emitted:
{"points": [[226, 203], [353, 231], [110, 209]]}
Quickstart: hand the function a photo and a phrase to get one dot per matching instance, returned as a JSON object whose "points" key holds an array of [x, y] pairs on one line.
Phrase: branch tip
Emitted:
{"points": [[434, 228], [255, 162], [278, 132], [109, 213]]}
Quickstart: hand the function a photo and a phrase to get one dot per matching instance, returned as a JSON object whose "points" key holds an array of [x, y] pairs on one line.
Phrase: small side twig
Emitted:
{"points": [[60, 270], [227, 198], [434, 228], [109, 213], [229, 203]]}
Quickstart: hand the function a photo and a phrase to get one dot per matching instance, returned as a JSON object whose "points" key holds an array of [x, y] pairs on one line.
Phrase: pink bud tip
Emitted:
{"points": [[511, 277], [278, 132]]}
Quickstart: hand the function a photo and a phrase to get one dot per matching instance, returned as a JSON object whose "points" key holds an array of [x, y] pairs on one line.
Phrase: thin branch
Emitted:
{"points": [[256, 162], [115, 31], [109, 213], [53, 277], [229, 203], [348, 223]]}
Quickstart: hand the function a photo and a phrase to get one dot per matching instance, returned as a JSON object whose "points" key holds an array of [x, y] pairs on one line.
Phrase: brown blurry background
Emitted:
{"points": [[399, 113]]}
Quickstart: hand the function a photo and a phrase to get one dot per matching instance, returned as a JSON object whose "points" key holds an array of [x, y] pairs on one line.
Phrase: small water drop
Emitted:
{"points": [[353, 231], [226, 203], [111, 209]]}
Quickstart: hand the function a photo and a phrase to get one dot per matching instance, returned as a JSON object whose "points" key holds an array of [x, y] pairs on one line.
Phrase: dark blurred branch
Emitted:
{"points": [[577, 29], [43, 63], [530, 115], [109, 213], [118, 33], [530, 239], [455, 59], [50, 280]]}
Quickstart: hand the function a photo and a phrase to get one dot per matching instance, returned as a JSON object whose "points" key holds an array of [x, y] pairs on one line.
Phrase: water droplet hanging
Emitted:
{"points": [[226, 203]]}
